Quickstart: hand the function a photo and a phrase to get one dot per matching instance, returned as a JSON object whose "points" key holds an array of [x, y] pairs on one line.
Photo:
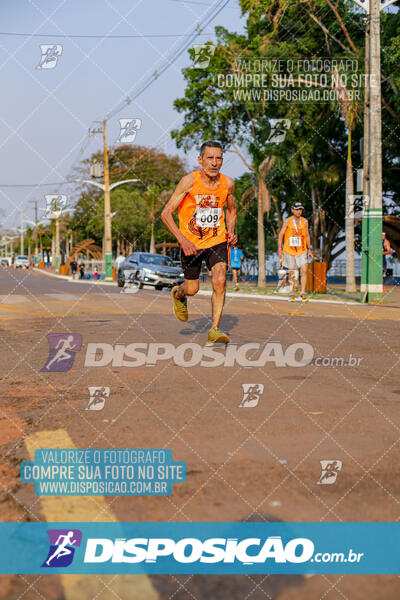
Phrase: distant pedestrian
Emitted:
{"points": [[386, 251], [296, 249], [119, 260], [74, 268], [237, 257], [81, 271]]}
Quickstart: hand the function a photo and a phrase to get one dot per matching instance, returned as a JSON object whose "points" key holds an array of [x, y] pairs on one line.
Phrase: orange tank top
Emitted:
{"points": [[295, 241], [201, 213]]}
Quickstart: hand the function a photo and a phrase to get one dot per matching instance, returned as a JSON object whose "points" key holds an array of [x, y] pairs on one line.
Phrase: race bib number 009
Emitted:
{"points": [[208, 217], [295, 241]]}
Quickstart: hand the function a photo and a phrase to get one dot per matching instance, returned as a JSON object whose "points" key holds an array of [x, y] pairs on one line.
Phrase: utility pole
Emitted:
{"points": [[106, 188], [372, 280], [36, 234], [374, 211], [53, 242], [364, 226], [57, 243], [21, 222], [107, 211]]}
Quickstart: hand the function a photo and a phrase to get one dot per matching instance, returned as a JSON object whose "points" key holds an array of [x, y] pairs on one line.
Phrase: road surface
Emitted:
{"points": [[255, 462]]}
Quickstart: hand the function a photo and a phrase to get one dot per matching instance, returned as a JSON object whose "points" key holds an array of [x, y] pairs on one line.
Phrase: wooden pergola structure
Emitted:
{"points": [[165, 245], [87, 246]]}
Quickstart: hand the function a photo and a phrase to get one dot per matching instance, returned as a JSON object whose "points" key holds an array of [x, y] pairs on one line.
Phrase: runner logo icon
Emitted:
{"points": [[62, 547], [251, 394], [128, 130], [202, 55], [279, 129], [330, 469], [62, 351], [50, 55], [55, 205], [98, 396]]}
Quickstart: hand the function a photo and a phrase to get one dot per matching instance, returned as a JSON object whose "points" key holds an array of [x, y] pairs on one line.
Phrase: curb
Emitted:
{"points": [[69, 278], [282, 299], [200, 292]]}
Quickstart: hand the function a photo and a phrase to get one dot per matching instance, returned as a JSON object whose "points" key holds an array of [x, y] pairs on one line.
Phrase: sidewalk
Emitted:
{"points": [[207, 292], [69, 278]]}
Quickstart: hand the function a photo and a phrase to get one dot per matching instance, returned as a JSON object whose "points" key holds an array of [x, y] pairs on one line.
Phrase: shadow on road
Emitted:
{"points": [[203, 324], [226, 587]]}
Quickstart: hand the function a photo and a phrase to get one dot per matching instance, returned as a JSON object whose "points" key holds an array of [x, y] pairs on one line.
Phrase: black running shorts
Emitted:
{"points": [[191, 265]]}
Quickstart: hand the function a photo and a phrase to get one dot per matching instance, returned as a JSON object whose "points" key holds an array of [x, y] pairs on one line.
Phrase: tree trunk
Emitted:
{"points": [[261, 237], [152, 242], [315, 223], [331, 233], [264, 205], [53, 242], [350, 274]]}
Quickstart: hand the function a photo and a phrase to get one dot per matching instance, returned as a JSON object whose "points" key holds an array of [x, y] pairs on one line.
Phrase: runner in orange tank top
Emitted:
{"points": [[200, 199], [296, 249]]}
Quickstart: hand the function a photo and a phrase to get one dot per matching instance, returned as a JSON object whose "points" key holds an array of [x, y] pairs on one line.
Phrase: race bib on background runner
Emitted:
{"points": [[295, 241]]}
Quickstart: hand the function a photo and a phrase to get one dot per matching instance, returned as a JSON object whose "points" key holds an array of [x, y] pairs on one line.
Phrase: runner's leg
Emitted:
{"points": [[304, 269], [189, 287], [292, 280], [191, 266], [218, 297]]}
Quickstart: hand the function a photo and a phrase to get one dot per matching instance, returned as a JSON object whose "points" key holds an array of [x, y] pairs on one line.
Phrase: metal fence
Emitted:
{"points": [[338, 268], [249, 269]]}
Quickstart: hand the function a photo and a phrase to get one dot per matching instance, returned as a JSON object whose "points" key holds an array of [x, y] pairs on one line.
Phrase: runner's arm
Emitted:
{"points": [[231, 212], [309, 251], [180, 192], [388, 249], [280, 239]]}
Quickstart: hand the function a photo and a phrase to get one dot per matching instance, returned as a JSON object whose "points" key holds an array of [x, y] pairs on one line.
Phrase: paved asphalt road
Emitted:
{"points": [[259, 462]]}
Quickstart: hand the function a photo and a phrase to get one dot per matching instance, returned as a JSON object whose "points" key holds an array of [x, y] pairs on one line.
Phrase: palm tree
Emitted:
{"points": [[155, 201], [350, 111]]}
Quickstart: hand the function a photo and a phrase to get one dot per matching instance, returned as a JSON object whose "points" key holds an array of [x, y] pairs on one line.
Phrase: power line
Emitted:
{"points": [[99, 36], [22, 185], [196, 2], [218, 7]]}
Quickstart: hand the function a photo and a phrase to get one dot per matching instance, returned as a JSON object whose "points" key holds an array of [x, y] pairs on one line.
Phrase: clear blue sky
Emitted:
{"points": [[45, 114]]}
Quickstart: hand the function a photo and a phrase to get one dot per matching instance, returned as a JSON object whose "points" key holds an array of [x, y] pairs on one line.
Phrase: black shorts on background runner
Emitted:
{"points": [[191, 265]]}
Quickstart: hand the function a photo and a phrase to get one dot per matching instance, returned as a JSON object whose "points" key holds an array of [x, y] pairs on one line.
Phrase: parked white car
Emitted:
{"points": [[22, 261]]}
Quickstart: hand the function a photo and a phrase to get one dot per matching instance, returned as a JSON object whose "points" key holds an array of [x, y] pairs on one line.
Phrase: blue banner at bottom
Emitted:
{"points": [[200, 548]]}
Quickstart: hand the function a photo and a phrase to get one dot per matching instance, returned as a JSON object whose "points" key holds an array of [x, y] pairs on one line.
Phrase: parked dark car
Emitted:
{"points": [[150, 269]]}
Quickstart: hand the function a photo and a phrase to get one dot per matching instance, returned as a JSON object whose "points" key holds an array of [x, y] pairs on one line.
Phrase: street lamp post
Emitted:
{"points": [[371, 276], [106, 188], [21, 232], [107, 211]]}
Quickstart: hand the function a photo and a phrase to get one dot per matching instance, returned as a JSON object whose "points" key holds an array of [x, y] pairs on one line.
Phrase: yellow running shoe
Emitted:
{"points": [[304, 297], [180, 306], [215, 336]]}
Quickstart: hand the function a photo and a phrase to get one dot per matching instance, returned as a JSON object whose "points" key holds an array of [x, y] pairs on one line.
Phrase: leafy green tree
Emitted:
{"points": [[136, 206], [315, 161]]}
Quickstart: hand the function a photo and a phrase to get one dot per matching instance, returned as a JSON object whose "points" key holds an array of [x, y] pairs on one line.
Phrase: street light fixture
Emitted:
{"points": [[106, 188]]}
